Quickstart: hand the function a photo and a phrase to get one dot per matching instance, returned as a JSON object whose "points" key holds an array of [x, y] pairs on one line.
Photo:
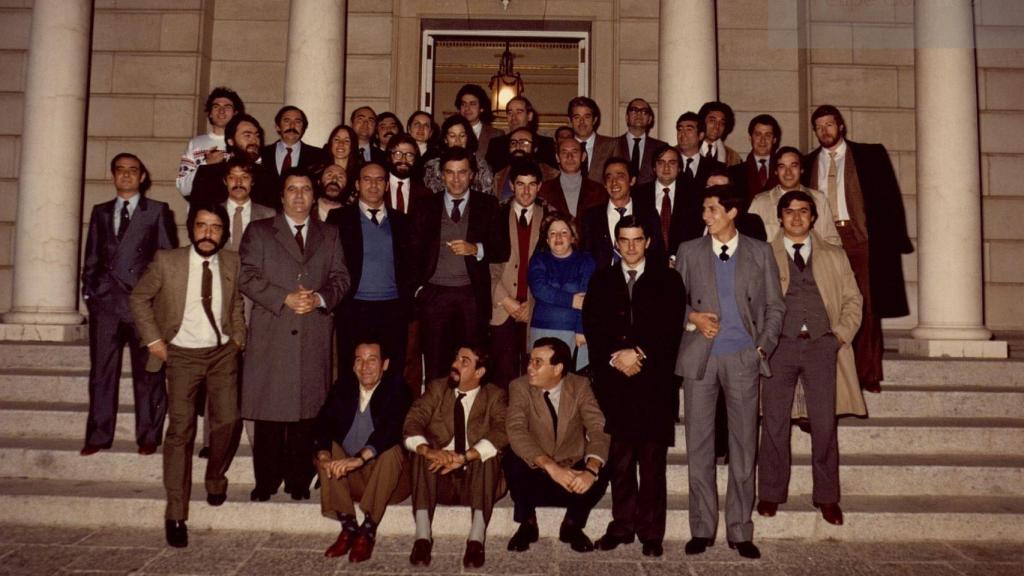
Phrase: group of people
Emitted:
{"points": [[509, 313]]}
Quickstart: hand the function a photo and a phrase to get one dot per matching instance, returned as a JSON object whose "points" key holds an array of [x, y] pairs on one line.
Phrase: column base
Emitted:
{"points": [[43, 327], [953, 348]]}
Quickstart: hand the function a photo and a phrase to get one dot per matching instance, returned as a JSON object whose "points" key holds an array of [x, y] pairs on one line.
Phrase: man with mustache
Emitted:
{"points": [[244, 136], [520, 114], [333, 191], [521, 147], [405, 187], [189, 314], [291, 123], [388, 126]]}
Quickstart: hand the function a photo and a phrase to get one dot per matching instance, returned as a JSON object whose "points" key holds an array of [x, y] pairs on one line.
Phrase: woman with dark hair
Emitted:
{"points": [[457, 132], [558, 278], [339, 147]]}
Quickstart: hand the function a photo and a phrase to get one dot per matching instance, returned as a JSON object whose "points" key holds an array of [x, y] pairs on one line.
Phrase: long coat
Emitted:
{"points": [[288, 356]]}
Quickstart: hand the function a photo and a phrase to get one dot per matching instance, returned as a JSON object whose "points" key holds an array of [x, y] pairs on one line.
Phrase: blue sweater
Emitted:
{"points": [[553, 283]]}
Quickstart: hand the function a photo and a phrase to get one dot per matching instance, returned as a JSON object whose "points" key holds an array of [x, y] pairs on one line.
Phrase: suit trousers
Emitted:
{"points": [[187, 369], [531, 488], [382, 320], [412, 372], [477, 485], [815, 360], [381, 481], [508, 352], [448, 319], [108, 335], [738, 373], [283, 452], [867, 344], [638, 508]]}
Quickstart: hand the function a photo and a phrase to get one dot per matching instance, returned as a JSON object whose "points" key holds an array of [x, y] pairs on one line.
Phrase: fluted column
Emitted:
{"points": [[951, 314], [50, 173], [687, 60], [315, 69]]}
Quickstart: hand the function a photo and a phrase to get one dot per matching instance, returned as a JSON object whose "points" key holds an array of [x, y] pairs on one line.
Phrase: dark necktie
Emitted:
{"points": [[373, 216], [621, 211], [207, 297], [554, 413], [762, 173], [456, 215], [122, 227], [364, 154], [586, 163], [666, 214], [631, 282], [522, 219], [725, 253], [712, 152], [399, 199], [298, 238], [460, 424], [687, 172], [287, 162], [798, 258], [635, 158]]}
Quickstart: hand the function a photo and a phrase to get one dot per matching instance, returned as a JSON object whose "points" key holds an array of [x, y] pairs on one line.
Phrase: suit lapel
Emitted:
{"points": [[285, 236], [566, 406], [708, 264], [227, 287], [447, 412], [744, 270], [179, 282], [476, 424], [314, 238]]}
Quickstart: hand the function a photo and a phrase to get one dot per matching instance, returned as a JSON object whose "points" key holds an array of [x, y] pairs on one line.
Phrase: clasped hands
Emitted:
{"points": [[302, 300], [706, 323], [445, 461], [629, 361], [519, 311], [575, 481], [338, 468]]}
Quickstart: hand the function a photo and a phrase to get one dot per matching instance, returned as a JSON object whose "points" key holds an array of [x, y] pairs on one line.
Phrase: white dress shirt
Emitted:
{"points": [[732, 245], [659, 192], [694, 166], [393, 190], [133, 203], [282, 150], [366, 395], [196, 331], [613, 219], [483, 447], [843, 213], [719, 147], [246, 213]]}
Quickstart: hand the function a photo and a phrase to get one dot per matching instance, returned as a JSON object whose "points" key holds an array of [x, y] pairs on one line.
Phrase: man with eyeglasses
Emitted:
{"points": [[405, 186], [520, 147], [636, 144]]}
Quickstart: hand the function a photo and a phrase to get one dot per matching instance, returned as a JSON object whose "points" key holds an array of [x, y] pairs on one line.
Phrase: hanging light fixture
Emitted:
{"points": [[506, 84]]}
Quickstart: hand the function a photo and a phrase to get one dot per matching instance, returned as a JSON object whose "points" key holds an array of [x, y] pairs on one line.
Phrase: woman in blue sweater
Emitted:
{"points": [[558, 282]]}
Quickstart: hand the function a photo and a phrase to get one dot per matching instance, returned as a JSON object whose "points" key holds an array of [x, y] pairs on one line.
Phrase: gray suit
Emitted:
{"points": [[761, 308]]}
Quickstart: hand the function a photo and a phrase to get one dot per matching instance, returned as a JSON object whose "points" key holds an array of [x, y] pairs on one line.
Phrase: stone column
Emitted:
{"points": [[49, 217], [951, 316], [315, 69], [687, 60]]}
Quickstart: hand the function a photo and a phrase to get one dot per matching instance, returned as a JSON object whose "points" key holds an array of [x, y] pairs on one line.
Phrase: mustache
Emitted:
{"points": [[292, 130], [233, 188]]}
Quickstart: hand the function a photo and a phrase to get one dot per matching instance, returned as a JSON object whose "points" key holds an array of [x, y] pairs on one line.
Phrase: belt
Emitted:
{"points": [[843, 223]]}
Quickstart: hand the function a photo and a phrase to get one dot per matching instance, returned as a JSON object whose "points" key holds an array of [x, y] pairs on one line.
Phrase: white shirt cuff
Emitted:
{"points": [[485, 449], [413, 442]]}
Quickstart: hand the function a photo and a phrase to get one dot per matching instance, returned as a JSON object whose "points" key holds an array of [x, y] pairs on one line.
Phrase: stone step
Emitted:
{"points": [[920, 436], [65, 386], [868, 475], [868, 518]]}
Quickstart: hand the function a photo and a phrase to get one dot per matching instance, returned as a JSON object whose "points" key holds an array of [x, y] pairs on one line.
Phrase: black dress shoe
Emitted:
{"points": [[526, 534], [611, 542], [216, 499], [90, 449], [300, 494], [653, 549], [698, 545], [575, 538], [258, 495], [147, 449], [474, 556], [177, 533], [204, 452], [420, 555], [746, 549]]}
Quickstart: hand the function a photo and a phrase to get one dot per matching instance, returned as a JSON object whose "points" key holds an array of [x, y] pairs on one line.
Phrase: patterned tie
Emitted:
{"points": [[207, 297], [460, 424], [287, 162], [622, 212], [762, 173], [456, 214], [122, 226], [399, 199], [724, 256], [373, 216], [554, 413], [635, 158], [798, 258], [299, 239], [236, 228], [666, 214], [833, 185]]}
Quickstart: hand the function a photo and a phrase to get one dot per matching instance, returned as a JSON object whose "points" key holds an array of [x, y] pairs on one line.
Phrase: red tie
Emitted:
{"points": [[287, 162], [762, 173], [666, 214], [399, 201]]}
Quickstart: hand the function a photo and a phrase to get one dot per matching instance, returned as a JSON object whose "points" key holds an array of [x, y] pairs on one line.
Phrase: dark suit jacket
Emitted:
{"points": [[351, 232], [487, 134], [642, 407], [746, 178], [591, 194], [112, 267], [497, 151], [209, 185], [604, 148], [693, 190], [433, 416], [388, 406], [417, 193], [309, 157], [649, 195], [596, 239], [886, 224], [651, 148], [425, 244]]}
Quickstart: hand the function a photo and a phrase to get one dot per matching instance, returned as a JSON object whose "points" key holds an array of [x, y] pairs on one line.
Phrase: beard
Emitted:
{"points": [[332, 192], [401, 169], [206, 247], [453, 379]]}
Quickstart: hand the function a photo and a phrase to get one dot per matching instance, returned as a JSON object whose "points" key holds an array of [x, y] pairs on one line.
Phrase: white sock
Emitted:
{"points": [[478, 531], [423, 525]]}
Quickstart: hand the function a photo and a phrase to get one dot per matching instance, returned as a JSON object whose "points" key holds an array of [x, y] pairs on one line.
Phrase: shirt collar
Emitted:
{"points": [[232, 205], [840, 150], [470, 396], [612, 209], [196, 259], [659, 189], [293, 224], [133, 201], [365, 395], [283, 148], [805, 250], [732, 244], [639, 269], [365, 209]]}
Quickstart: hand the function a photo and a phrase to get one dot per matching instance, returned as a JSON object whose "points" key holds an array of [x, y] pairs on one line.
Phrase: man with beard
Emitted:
{"points": [[456, 431], [291, 123], [332, 191], [221, 106], [405, 189], [388, 126], [244, 136], [519, 113], [520, 148], [189, 314]]}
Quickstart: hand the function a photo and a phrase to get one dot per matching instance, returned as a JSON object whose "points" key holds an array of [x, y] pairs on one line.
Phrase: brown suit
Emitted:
{"points": [[432, 416], [591, 194]]}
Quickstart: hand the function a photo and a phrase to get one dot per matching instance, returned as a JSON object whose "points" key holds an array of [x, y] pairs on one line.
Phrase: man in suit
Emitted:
{"points": [[823, 311], [512, 305], [719, 120], [585, 117], [405, 189], [124, 233], [865, 199], [559, 447], [520, 144], [364, 122], [678, 214], [222, 105], [388, 126], [359, 452], [455, 236], [695, 167], [734, 312], [572, 192], [375, 240], [474, 105], [189, 314], [293, 269], [291, 123], [636, 144], [519, 113], [633, 319], [456, 432], [598, 223], [788, 169], [244, 137], [757, 173], [746, 223]]}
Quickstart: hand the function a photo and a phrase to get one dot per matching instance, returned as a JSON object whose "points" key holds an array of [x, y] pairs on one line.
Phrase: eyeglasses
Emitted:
{"points": [[520, 142], [635, 110], [398, 155]]}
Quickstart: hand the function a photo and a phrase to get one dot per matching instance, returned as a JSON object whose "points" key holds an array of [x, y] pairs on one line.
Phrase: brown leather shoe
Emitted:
{"points": [[342, 545], [832, 513], [474, 556], [421, 552], [362, 548], [90, 449], [147, 449], [872, 386], [766, 508]]}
